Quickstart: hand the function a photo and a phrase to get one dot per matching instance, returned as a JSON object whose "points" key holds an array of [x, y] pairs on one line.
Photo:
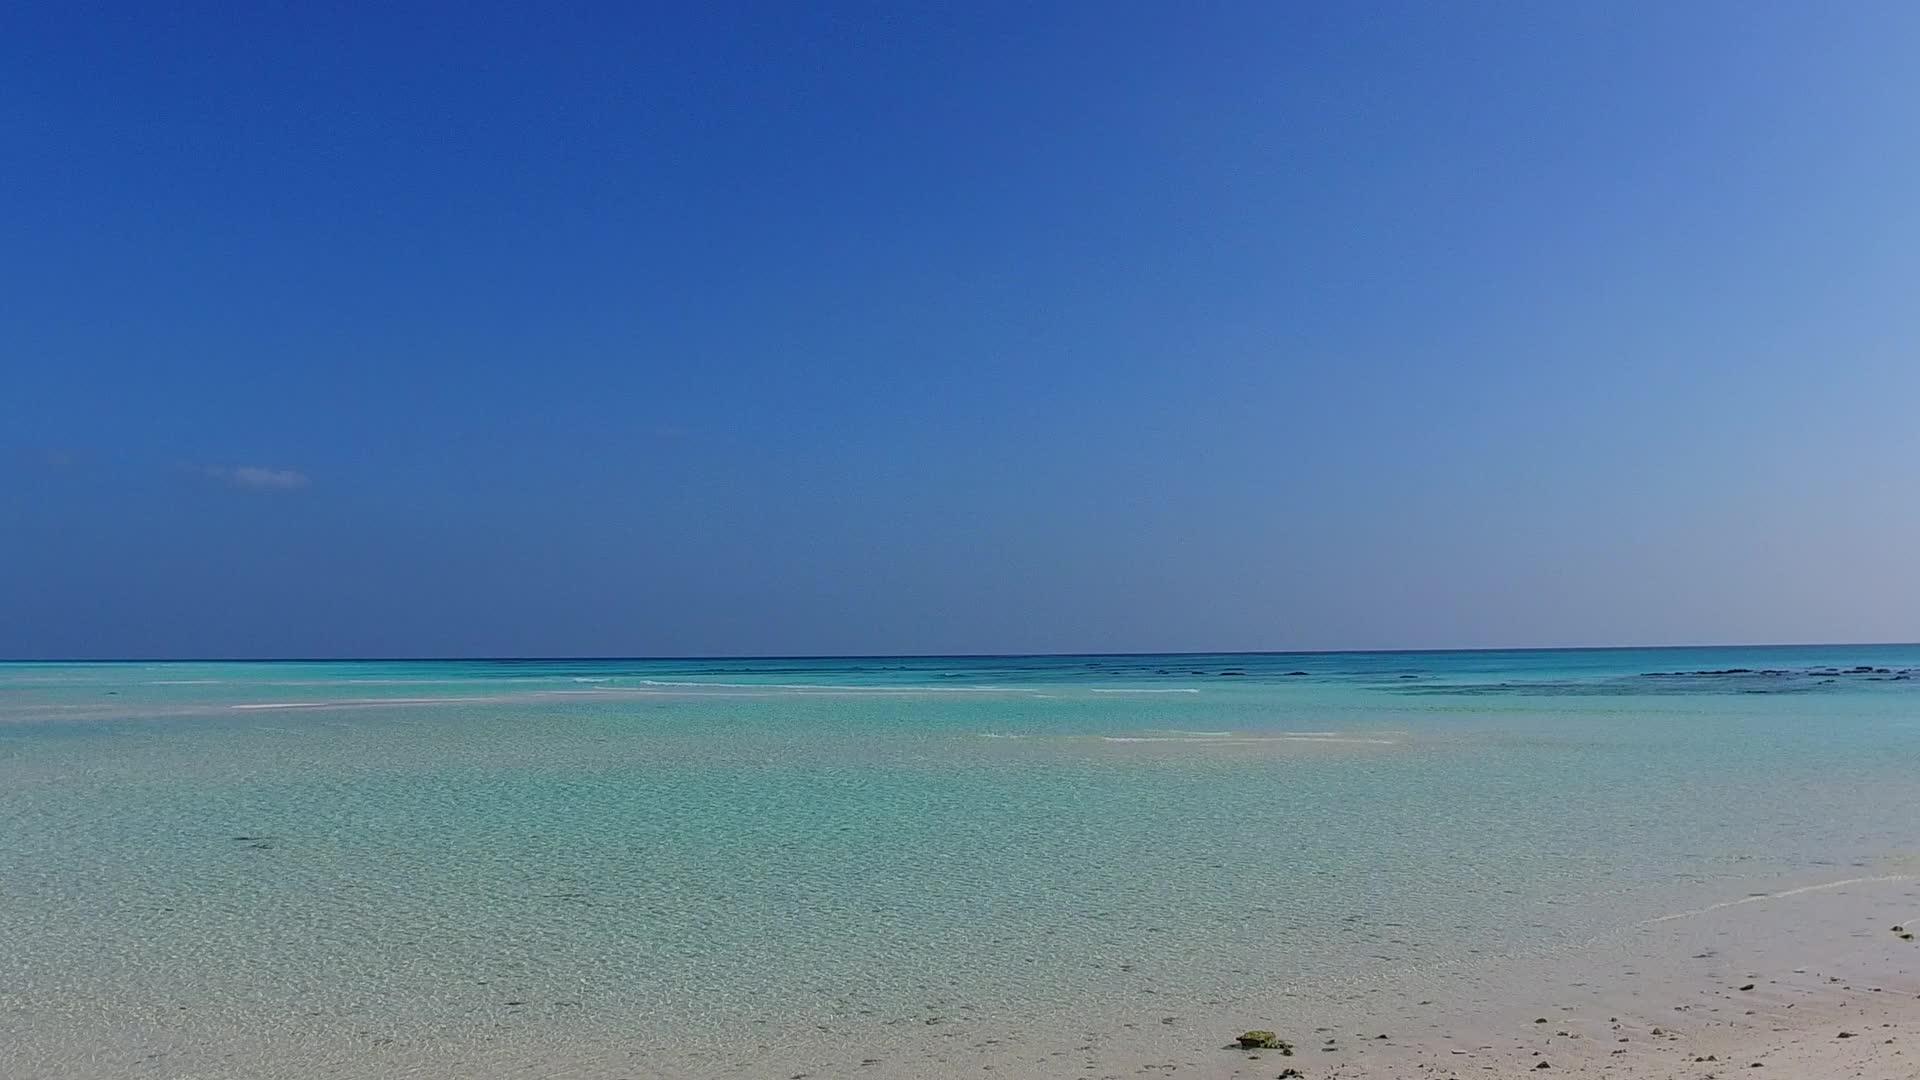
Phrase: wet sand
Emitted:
{"points": [[1803, 982]]}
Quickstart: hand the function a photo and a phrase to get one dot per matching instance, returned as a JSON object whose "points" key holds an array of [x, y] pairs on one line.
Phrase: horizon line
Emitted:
{"points": [[611, 658]]}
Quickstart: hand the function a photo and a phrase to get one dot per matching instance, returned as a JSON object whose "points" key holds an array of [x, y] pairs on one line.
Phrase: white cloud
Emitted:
{"points": [[258, 477]]}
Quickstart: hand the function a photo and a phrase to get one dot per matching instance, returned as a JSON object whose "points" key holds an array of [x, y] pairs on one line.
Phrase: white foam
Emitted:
{"points": [[1142, 690], [837, 689], [1691, 912], [1247, 740], [361, 703]]}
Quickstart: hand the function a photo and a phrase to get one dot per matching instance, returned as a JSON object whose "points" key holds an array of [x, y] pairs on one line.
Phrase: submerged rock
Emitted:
{"points": [[1264, 1040]]}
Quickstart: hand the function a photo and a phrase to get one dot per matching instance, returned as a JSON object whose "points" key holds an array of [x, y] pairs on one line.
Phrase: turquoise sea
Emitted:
{"points": [[666, 867]]}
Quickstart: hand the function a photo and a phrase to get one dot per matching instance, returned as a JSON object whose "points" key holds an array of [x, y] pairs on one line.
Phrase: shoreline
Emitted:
{"points": [[1759, 985], [1759, 982], [1771, 979]]}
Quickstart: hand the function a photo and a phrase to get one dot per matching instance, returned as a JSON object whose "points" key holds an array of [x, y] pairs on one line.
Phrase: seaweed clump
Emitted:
{"points": [[1264, 1040]]}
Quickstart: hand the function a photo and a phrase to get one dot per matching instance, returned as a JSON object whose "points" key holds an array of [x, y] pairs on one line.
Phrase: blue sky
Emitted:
{"points": [[500, 330]]}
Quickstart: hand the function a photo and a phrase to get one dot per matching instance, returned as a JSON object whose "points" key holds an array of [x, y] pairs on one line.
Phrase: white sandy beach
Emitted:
{"points": [[1808, 983]]}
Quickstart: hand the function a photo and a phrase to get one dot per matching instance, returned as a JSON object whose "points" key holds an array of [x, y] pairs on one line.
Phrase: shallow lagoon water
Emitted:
{"points": [[238, 869]]}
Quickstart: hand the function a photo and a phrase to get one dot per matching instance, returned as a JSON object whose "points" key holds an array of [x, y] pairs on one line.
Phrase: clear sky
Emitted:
{"points": [[389, 329]]}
